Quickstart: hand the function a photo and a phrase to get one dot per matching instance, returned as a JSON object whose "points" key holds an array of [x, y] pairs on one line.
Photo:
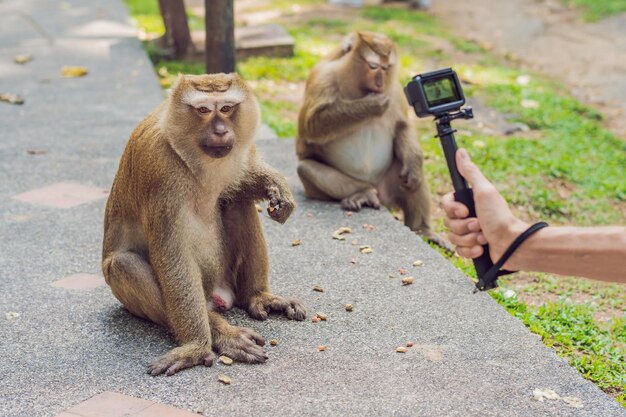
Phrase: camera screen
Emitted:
{"points": [[441, 91]]}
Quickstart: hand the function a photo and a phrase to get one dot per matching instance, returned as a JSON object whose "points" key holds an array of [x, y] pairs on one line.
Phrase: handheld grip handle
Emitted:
{"points": [[482, 263]]}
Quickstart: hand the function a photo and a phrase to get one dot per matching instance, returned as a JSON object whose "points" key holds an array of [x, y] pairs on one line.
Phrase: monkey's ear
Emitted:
{"points": [[348, 42]]}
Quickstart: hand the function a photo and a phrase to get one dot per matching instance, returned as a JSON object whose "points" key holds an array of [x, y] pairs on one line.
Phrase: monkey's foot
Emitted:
{"points": [[262, 304], [241, 344], [365, 198], [181, 358], [281, 204]]}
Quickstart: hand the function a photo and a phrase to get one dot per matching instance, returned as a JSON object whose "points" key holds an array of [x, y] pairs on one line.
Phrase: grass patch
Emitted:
{"points": [[594, 10]]}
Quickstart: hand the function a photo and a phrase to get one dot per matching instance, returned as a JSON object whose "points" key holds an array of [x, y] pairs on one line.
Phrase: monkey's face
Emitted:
{"points": [[218, 112], [375, 56]]}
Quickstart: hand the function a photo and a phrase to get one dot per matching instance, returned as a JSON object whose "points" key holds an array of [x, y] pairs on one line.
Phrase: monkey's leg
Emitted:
{"points": [[239, 343], [133, 283], [250, 265], [323, 182]]}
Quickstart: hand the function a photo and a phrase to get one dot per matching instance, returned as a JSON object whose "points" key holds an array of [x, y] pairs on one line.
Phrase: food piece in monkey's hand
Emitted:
{"points": [[185, 194]]}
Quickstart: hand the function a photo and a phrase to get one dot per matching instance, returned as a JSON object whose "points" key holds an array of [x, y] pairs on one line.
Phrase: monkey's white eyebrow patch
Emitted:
{"points": [[197, 98]]}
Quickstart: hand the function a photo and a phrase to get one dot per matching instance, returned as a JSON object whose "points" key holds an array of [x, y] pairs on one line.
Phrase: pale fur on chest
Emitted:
{"points": [[365, 154]]}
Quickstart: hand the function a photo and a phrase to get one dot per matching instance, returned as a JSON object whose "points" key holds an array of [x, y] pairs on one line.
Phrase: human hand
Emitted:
{"points": [[494, 225]]}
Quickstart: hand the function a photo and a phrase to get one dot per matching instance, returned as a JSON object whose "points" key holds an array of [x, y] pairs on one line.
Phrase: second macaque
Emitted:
{"points": [[354, 143]]}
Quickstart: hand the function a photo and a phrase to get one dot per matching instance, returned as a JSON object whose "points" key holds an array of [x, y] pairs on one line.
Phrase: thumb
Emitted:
{"points": [[469, 170]]}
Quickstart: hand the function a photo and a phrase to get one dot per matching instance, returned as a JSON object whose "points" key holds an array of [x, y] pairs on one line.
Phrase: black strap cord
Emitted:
{"points": [[489, 280]]}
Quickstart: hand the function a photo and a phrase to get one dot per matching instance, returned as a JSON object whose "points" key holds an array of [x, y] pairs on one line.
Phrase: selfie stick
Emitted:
{"points": [[462, 192]]}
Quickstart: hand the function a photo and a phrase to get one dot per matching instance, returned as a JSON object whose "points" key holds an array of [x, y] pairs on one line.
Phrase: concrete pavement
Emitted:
{"points": [[64, 343]]}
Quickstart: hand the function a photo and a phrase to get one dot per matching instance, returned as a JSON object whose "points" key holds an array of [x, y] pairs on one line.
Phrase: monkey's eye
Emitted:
{"points": [[372, 65], [203, 109], [226, 109], [385, 67]]}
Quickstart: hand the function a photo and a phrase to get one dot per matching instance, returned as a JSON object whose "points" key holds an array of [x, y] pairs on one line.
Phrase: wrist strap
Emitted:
{"points": [[489, 279]]}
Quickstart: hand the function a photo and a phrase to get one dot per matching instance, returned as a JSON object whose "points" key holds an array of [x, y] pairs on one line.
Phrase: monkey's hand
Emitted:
{"points": [[281, 203], [409, 175], [182, 357], [240, 343], [263, 303], [375, 104]]}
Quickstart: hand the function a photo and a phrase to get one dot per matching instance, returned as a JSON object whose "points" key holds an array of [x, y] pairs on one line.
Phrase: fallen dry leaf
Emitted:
{"points": [[226, 360], [22, 59], [296, 242], [73, 72], [337, 234], [349, 307], [407, 281], [274, 342], [366, 249], [318, 288], [418, 263], [11, 98], [224, 379], [401, 349]]}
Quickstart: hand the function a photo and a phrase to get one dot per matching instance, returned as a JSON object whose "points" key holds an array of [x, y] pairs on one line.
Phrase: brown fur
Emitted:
{"points": [[180, 221], [345, 98]]}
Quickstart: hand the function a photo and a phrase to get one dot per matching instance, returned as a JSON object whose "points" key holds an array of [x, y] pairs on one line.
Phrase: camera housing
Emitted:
{"points": [[435, 93]]}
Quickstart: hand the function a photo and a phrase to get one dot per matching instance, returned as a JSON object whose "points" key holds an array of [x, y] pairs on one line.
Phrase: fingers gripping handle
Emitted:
{"points": [[483, 263]]}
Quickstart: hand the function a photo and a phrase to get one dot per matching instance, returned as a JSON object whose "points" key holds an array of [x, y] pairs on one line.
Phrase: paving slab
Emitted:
{"points": [[62, 346]]}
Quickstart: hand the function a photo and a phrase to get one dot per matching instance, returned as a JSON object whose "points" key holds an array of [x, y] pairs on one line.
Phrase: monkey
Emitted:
{"points": [[354, 140], [182, 236]]}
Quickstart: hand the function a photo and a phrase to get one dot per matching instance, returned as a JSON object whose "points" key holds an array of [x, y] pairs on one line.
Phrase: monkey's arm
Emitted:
{"points": [[178, 274], [264, 182], [327, 120], [407, 151]]}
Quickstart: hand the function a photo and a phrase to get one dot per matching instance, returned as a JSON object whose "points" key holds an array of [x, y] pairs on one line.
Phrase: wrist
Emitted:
{"points": [[513, 229]]}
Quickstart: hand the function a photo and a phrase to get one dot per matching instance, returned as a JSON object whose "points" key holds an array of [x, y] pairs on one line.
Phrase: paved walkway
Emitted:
{"points": [[64, 338]]}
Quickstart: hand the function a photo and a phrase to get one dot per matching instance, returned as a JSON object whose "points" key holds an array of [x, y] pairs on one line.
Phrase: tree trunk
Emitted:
{"points": [[219, 54], [177, 34]]}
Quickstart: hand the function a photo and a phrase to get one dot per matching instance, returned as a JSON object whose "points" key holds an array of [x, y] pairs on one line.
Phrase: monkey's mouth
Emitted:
{"points": [[217, 151]]}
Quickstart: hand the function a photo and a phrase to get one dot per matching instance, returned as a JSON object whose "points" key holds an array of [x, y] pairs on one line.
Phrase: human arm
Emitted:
{"points": [[591, 252]]}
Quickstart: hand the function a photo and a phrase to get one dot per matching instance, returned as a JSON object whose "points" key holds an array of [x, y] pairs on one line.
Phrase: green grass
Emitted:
{"points": [[567, 169], [598, 9]]}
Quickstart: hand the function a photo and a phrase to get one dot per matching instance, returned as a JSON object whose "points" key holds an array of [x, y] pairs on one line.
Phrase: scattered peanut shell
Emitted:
{"points": [[403, 271], [392, 276], [270, 208], [321, 348], [322, 316], [368, 227], [11, 98], [366, 249], [337, 234], [355, 242], [353, 261], [11, 315], [401, 349], [541, 394], [349, 213], [407, 280], [73, 72], [274, 342], [22, 59], [224, 379], [36, 151], [418, 263], [258, 208], [226, 360], [349, 307], [318, 288], [315, 319], [573, 401], [409, 344], [296, 242]]}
